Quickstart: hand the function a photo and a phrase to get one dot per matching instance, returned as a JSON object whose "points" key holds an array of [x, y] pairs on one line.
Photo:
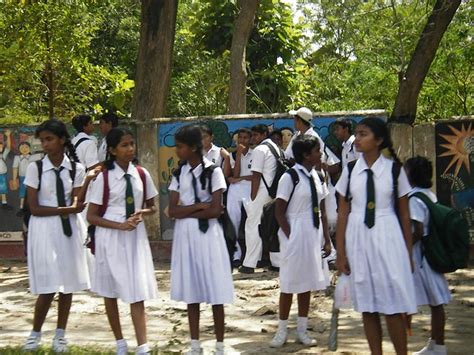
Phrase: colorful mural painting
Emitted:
{"points": [[454, 167], [224, 136]]}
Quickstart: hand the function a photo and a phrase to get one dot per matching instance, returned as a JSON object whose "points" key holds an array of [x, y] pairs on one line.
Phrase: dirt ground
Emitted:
{"points": [[250, 321]]}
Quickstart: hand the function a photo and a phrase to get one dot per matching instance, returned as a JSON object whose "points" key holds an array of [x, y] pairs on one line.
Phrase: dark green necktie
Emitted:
{"points": [[129, 201], [203, 223], [62, 202], [314, 199], [370, 207]]}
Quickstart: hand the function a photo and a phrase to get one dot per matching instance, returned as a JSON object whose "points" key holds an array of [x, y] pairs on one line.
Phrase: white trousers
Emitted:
{"points": [[238, 195]]}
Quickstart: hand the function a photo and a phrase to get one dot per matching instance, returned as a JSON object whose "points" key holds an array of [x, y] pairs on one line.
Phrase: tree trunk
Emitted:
{"points": [[411, 82], [49, 71], [155, 54], [243, 26]]}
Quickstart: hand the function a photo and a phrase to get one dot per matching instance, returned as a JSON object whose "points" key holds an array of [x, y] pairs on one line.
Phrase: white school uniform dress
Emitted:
{"points": [[200, 265], [56, 262], [349, 153], [327, 155], [431, 287], [238, 195], [263, 162], [214, 155], [123, 261], [381, 278], [87, 150], [301, 267]]}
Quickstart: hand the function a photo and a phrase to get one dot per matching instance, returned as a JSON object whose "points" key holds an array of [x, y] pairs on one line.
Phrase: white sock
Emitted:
{"points": [[60, 333], [302, 324], [219, 345], [195, 344], [35, 334], [121, 343], [142, 349], [283, 324]]}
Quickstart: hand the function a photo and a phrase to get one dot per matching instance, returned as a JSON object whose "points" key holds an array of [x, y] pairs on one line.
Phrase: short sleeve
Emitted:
{"points": [[284, 187], [91, 156], [31, 177], [258, 160], [341, 186], [174, 186], [80, 175], [403, 185], [16, 162], [418, 210], [324, 190], [151, 190], [96, 192], [218, 180], [331, 159]]}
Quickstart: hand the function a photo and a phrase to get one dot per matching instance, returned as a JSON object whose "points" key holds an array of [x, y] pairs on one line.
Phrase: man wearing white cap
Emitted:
{"points": [[303, 125]]}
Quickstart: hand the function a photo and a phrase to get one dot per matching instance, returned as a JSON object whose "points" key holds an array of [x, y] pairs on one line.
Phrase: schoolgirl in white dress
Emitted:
{"points": [[301, 213], [431, 287], [124, 264], [56, 254], [200, 266], [373, 243]]}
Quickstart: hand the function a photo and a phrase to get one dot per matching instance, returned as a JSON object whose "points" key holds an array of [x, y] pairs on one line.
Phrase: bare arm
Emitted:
{"points": [[324, 222], [90, 176], [342, 217], [419, 231], [93, 217], [214, 210], [280, 216], [404, 215], [255, 180], [45, 211], [227, 170], [177, 211]]}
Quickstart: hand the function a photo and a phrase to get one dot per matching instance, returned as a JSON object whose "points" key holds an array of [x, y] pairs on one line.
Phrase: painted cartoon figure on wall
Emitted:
{"points": [[5, 148]]}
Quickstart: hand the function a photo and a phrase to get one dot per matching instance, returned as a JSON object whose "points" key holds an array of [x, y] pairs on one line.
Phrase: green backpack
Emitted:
{"points": [[447, 247]]}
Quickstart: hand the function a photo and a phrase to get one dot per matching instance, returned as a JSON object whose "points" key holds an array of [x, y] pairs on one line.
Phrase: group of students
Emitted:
{"points": [[373, 228]]}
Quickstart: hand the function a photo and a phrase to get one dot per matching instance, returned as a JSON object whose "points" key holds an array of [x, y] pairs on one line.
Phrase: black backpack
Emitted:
{"points": [[268, 227], [282, 166]]}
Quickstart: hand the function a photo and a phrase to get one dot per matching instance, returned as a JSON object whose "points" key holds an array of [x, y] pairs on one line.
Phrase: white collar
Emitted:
{"points": [[304, 170], [118, 173], [377, 168], [198, 169], [48, 165]]}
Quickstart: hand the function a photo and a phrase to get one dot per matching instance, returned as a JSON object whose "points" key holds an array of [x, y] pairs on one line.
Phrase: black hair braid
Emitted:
{"points": [[392, 152], [109, 161], [71, 151], [202, 177]]}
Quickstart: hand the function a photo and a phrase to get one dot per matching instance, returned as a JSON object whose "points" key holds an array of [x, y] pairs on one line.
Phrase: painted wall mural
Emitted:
{"points": [[454, 167], [225, 136]]}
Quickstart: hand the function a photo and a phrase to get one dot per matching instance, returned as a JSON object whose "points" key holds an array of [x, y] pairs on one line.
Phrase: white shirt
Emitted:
{"points": [[102, 152], [87, 150], [117, 188], [383, 183], [3, 160], [349, 153], [245, 163], [185, 185], [47, 194], [214, 155], [327, 156], [419, 211], [264, 162], [21, 162], [301, 201]]}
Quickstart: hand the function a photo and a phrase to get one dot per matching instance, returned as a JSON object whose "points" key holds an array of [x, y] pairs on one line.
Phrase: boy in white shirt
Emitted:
{"points": [[84, 143], [343, 132]]}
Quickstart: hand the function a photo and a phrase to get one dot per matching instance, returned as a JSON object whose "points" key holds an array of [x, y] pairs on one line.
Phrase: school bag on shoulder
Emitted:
{"points": [[78, 143], [447, 246], [25, 211], [282, 165], [90, 242], [268, 227]]}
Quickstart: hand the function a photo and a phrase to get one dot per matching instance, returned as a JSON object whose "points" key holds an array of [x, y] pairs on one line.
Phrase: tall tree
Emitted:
{"points": [[158, 26], [238, 72], [411, 81]]}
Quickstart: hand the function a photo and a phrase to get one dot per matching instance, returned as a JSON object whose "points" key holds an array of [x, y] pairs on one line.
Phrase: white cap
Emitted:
{"points": [[304, 113]]}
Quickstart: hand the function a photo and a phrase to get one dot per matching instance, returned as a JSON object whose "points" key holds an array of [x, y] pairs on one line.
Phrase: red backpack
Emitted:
{"points": [[90, 243]]}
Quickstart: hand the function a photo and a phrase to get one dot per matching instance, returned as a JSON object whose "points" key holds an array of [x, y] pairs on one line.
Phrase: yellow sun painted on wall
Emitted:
{"points": [[458, 148]]}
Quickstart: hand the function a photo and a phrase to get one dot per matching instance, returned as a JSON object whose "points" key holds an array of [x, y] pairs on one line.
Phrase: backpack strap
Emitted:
{"points": [[206, 174], [39, 165], [177, 172], [72, 172], [350, 167], [276, 155], [295, 178], [80, 141], [141, 172], [106, 193]]}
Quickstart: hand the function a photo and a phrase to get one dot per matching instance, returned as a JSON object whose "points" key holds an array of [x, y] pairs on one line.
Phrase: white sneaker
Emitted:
{"points": [[219, 350], [428, 349], [279, 339], [440, 349], [121, 350], [194, 351], [32, 343], [305, 339], [60, 345]]}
